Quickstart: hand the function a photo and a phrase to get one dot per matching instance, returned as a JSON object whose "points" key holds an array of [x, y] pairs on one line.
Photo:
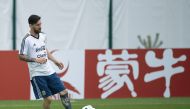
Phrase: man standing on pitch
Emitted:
{"points": [[43, 78]]}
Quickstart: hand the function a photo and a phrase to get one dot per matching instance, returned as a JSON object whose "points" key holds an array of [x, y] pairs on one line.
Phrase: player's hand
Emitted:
{"points": [[41, 60], [60, 65]]}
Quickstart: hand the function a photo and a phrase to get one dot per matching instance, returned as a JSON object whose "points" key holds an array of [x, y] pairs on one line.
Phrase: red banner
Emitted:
{"points": [[137, 73], [106, 74], [14, 79]]}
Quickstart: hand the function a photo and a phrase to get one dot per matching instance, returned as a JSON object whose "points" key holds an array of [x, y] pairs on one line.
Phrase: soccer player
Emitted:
{"points": [[43, 78]]}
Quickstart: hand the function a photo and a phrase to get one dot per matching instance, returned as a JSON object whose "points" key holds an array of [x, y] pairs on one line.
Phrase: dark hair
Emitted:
{"points": [[33, 19]]}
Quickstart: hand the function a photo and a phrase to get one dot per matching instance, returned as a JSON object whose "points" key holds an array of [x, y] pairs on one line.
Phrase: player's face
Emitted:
{"points": [[37, 27]]}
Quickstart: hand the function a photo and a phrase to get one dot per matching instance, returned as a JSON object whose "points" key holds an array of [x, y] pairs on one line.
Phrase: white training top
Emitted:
{"points": [[35, 48]]}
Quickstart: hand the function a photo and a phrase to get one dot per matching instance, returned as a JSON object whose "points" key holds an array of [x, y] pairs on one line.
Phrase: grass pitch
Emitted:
{"points": [[129, 103]]}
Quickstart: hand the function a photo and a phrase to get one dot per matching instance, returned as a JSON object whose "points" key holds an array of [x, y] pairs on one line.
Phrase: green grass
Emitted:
{"points": [[131, 103]]}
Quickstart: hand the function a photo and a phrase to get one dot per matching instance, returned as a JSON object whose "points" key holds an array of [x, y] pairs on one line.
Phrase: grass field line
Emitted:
{"points": [[83, 104]]}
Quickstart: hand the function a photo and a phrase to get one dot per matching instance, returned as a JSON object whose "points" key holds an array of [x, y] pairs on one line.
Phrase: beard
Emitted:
{"points": [[37, 31]]}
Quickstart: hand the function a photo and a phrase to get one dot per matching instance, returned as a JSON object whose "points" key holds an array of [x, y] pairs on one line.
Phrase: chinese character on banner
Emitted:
{"points": [[167, 62], [114, 72]]}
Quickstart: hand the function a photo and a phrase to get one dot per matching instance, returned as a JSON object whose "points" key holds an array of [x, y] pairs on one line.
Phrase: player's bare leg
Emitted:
{"points": [[47, 102], [65, 99]]}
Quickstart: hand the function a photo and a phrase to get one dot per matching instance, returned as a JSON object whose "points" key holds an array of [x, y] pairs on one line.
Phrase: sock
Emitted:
{"points": [[66, 101]]}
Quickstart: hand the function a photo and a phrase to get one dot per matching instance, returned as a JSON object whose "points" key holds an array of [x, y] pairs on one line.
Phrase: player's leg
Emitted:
{"points": [[56, 86], [41, 90], [65, 99], [47, 102]]}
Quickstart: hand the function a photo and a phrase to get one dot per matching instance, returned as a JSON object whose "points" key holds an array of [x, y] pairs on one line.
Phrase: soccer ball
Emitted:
{"points": [[88, 107]]}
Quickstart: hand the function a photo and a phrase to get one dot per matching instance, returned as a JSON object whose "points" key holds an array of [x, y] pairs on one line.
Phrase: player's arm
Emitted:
{"points": [[56, 62], [25, 58]]}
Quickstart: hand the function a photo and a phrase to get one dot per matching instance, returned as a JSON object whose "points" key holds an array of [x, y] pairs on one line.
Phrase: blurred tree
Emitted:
{"points": [[148, 43]]}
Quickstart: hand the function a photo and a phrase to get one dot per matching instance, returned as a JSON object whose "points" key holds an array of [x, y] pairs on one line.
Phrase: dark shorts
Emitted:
{"points": [[45, 86]]}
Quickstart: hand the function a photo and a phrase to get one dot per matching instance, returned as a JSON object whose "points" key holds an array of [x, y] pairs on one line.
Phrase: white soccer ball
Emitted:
{"points": [[88, 107]]}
